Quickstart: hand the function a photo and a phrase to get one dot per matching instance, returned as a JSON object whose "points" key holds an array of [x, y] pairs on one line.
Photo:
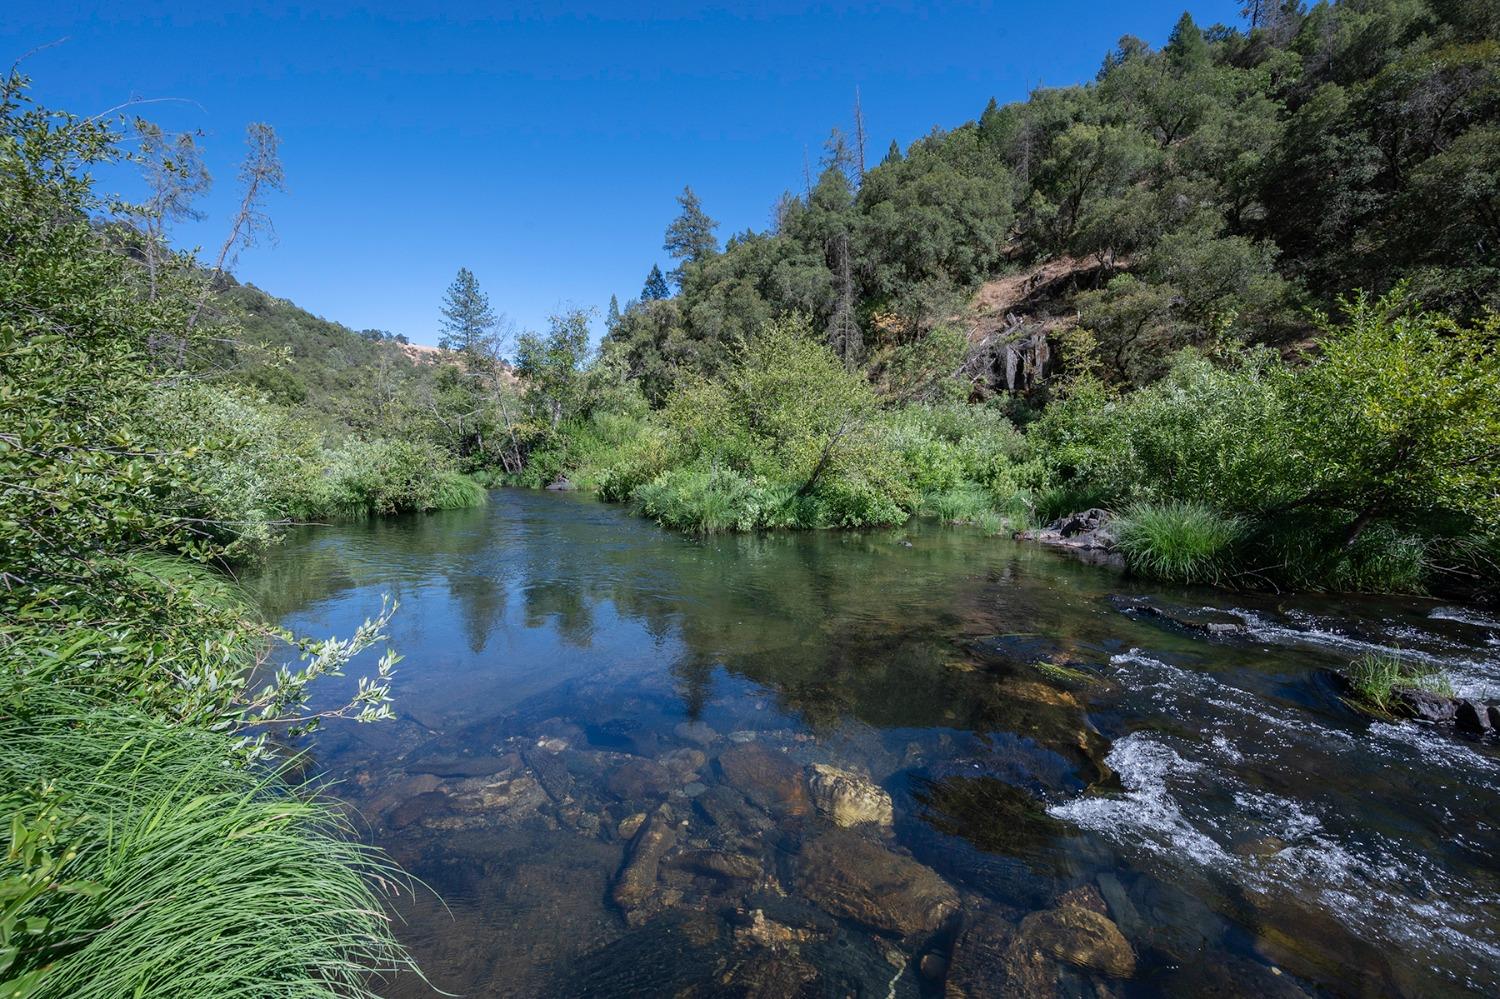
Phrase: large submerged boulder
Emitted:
{"points": [[850, 876]]}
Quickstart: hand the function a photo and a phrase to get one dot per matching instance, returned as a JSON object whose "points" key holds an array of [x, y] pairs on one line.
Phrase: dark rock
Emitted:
{"points": [[933, 966], [767, 974], [766, 777], [638, 779], [1087, 535], [850, 876], [1472, 718], [978, 968], [464, 766], [1494, 713], [560, 485], [637, 881], [728, 809], [1423, 705], [719, 864], [414, 809], [552, 774], [1197, 621]]}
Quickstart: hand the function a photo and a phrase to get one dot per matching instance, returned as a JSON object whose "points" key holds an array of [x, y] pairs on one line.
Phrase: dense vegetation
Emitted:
{"points": [[1215, 269], [1239, 291], [153, 850]]}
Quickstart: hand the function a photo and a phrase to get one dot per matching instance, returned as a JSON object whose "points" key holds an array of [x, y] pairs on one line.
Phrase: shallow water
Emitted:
{"points": [[1048, 746]]}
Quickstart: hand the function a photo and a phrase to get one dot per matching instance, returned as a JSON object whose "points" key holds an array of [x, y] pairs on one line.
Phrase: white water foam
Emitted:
{"points": [[1465, 615], [1470, 677], [1173, 811]]}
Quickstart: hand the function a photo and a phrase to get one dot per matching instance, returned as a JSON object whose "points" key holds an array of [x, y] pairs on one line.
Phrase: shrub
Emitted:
{"points": [[707, 501], [1177, 541]]}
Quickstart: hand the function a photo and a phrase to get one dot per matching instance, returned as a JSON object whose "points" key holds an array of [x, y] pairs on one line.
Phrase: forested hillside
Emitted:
{"points": [[1210, 190]]}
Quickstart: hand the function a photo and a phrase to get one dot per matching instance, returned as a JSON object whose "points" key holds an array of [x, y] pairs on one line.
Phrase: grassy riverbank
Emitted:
{"points": [[1362, 464]]}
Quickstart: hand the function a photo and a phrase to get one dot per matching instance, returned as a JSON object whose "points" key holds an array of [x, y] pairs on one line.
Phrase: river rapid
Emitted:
{"points": [[891, 763]]}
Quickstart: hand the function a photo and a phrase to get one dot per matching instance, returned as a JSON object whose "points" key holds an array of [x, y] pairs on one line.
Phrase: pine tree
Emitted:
{"points": [[893, 155], [1186, 48], [612, 317], [468, 323], [690, 237], [656, 286]]}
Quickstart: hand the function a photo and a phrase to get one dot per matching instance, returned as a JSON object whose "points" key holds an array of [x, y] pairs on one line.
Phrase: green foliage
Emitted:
{"points": [[140, 864], [1391, 426], [1375, 677], [148, 854], [1178, 541]]}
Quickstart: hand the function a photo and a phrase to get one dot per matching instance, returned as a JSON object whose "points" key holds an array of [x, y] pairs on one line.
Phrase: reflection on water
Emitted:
{"points": [[1056, 782]]}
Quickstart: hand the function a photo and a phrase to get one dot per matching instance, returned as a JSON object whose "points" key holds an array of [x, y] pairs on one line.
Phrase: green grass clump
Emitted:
{"points": [[150, 865], [1375, 677], [963, 504], [700, 500], [1178, 541]]}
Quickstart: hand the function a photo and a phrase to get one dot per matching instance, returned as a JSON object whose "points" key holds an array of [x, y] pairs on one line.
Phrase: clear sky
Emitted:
{"points": [[540, 145]]}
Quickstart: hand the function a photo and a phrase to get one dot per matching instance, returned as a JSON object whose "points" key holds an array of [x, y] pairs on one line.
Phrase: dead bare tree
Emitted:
{"points": [[259, 173], [859, 136], [175, 176]]}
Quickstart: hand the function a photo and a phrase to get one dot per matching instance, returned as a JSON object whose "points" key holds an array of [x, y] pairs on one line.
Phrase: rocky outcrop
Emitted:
{"points": [[847, 798], [1087, 534], [854, 878]]}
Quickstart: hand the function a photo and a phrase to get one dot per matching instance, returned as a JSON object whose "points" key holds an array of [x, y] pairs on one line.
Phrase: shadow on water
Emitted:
{"points": [[613, 748]]}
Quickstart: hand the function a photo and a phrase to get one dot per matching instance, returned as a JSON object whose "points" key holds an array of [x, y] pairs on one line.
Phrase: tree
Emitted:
{"points": [[552, 367], [260, 172], [690, 237], [656, 286], [175, 176], [612, 317], [468, 322]]}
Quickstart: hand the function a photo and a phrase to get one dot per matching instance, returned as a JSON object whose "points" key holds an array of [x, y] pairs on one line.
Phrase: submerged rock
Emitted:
{"points": [[637, 881], [637, 779], [696, 732], [719, 864], [993, 958], [1081, 936], [727, 809], [847, 798], [850, 876], [767, 974], [978, 968], [766, 777]]}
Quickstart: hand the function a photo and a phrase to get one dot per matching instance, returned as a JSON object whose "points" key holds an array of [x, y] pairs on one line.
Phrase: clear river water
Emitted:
{"points": [[610, 767]]}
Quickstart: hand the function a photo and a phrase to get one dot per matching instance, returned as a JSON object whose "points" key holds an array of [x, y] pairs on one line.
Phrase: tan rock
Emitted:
{"points": [[847, 798]]}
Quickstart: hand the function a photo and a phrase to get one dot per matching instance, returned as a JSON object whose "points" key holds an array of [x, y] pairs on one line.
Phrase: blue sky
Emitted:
{"points": [[540, 145]]}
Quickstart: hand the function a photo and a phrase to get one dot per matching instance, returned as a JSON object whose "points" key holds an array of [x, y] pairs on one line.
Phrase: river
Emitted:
{"points": [[605, 764]]}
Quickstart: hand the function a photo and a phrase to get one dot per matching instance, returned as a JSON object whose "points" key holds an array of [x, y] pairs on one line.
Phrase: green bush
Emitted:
{"points": [[1178, 541]]}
